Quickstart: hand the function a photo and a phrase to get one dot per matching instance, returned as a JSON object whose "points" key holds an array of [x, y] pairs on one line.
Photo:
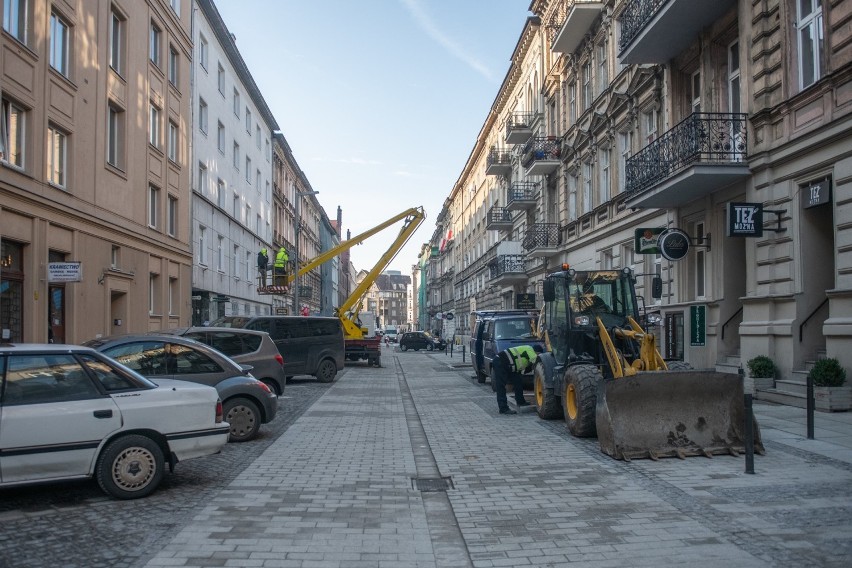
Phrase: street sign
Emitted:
{"points": [[697, 325]]}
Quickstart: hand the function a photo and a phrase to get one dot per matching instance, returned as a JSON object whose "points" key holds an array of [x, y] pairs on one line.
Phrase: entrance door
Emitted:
{"points": [[818, 272], [56, 313], [118, 312]]}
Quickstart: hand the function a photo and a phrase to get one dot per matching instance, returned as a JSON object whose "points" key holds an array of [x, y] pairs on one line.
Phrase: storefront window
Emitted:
{"points": [[11, 292]]}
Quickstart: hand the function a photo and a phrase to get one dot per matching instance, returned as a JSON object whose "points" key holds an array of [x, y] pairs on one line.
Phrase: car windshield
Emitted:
{"points": [[515, 328]]}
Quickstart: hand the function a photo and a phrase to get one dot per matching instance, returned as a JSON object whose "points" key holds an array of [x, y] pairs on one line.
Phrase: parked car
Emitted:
{"points": [[246, 347], [247, 402], [494, 331], [309, 345], [391, 333], [418, 340], [69, 412]]}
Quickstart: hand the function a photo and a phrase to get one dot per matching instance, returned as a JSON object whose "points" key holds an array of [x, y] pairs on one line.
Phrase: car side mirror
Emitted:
{"points": [[246, 368]]}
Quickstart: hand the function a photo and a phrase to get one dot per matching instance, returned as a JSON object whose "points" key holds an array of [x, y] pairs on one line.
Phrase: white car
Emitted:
{"points": [[69, 412]]}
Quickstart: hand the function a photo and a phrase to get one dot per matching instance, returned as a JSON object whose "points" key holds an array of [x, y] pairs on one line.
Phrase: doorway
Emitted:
{"points": [[118, 312], [818, 273]]}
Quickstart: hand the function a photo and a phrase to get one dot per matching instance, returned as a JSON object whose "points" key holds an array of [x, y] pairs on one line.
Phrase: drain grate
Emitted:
{"points": [[432, 484]]}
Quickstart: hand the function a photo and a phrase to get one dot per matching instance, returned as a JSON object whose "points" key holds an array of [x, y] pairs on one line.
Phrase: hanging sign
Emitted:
{"points": [[674, 244], [697, 325], [745, 220], [816, 193], [645, 240]]}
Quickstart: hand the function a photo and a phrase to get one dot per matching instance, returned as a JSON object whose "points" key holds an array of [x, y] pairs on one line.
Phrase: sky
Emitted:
{"points": [[380, 100]]}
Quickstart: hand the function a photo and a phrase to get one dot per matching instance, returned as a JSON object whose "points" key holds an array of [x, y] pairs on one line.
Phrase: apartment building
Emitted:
{"points": [[94, 168], [232, 203], [621, 117]]}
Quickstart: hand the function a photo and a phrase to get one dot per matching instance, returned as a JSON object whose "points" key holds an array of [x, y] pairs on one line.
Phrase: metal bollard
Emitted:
{"points": [[463, 354], [810, 408], [749, 435]]}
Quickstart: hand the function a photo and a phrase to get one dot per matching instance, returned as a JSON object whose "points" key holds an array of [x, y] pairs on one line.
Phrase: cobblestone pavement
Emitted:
{"points": [[77, 525], [355, 477]]}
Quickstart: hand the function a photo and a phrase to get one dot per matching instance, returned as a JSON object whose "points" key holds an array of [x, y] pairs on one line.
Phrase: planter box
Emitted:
{"points": [[833, 399]]}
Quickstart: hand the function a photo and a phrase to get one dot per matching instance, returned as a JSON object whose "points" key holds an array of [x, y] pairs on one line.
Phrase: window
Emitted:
{"points": [[203, 51], [59, 39], [809, 26], [587, 85], [248, 215], [572, 102], [650, 125], [44, 379], [603, 190], [235, 261], [153, 205], [174, 65], [734, 77], [221, 80], [268, 153], [237, 210], [175, 4], [587, 187], [202, 115], [266, 195], [57, 154], [12, 134], [220, 193], [624, 142], [115, 136], [259, 224], [202, 178], [115, 256], [154, 44], [117, 42], [173, 218], [248, 121], [220, 254], [606, 259], [248, 267], [603, 68], [236, 102], [173, 141], [236, 156], [248, 170], [154, 127], [202, 245], [695, 86], [220, 138], [152, 293], [257, 180], [174, 296], [257, 136], [15, 18]]}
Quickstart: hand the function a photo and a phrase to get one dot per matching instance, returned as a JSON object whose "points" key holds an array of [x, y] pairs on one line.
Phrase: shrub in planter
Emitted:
{"points": [[761, 367], [828, 373]]}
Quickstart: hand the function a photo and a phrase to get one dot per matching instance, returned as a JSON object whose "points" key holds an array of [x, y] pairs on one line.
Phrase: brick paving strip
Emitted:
{"points": [[335, 490]]}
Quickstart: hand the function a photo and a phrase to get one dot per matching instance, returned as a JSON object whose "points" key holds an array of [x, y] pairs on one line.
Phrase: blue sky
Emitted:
{"points": [[380, 100]]}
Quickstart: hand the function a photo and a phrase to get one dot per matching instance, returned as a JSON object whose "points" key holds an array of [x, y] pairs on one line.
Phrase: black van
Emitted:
{"points": [[309, 345]]}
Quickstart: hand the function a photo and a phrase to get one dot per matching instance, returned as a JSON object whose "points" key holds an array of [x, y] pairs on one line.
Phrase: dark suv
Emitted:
{"points": [[494, 331], [418, 340]]}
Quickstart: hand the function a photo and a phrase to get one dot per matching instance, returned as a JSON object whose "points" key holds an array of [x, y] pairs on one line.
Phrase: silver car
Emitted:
{"points": [[245, 346], [247, 403]]}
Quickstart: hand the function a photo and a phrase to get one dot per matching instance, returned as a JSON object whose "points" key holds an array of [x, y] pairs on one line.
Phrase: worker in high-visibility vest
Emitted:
{"points": [[507, 367], [280, 266]]}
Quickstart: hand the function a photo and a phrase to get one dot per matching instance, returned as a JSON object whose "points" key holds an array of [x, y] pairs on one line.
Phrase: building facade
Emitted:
{"points": [[94, 168], [624, 116], [232, 210]]}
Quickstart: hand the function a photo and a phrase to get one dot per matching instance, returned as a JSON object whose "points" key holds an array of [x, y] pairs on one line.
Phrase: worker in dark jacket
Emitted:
{"points": [[262, 265], [508, 366]]}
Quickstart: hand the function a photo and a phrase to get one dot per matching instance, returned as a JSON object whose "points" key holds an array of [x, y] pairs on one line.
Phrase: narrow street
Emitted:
{"points": [[411, 465]]}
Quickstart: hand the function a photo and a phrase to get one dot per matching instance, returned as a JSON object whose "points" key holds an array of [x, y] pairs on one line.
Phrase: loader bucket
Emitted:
{"points": [[673, 414]]}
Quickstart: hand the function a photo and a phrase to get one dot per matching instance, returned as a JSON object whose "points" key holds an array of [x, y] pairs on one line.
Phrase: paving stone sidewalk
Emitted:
{"points": [[335, 490]]}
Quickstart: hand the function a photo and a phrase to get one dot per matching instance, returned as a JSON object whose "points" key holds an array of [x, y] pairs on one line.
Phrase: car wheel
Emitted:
{"points": [[430, 347], [403, 347], [326, 371], [244, 418], [130, 467], [273, 386]]}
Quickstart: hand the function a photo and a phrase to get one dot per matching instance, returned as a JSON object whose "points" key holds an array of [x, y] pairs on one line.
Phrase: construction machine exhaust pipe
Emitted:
{"points": [[673, 414]]}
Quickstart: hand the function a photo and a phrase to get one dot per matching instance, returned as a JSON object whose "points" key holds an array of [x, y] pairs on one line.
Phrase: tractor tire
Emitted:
{"points": [[678, 366], [579, 400], [548, 406]]}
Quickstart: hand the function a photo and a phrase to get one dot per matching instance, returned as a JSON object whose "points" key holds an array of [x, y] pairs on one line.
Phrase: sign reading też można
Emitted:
{"points": [[816, 193], [745, 220], [64, 272]]}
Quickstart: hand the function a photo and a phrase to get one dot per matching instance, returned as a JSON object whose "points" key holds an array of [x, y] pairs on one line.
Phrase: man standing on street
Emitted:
{"points": [[508, 366]]}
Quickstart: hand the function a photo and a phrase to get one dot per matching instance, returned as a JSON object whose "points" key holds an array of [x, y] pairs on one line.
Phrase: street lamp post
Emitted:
{"points": [[296, 279]]}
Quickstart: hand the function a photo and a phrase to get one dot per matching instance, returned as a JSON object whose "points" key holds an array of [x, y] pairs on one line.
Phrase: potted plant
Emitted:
{"points": [[761, 370], [830, 392]]}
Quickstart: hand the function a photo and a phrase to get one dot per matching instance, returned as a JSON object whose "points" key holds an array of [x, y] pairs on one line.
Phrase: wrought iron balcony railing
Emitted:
{"points": [[498, 157], [541, 148], [541, 235], [498, 216], [507, 264], [522, 191], [700, 138], [635, 17], [520, 120]]}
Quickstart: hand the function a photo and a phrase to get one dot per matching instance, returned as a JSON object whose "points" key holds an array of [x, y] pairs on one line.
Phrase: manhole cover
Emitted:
{"points": [[432, 484]]}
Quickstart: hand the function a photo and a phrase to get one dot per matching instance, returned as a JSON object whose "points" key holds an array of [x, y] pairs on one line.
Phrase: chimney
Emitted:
{"points": [[339, 221]]}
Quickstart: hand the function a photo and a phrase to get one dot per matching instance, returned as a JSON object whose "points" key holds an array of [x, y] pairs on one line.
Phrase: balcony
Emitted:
{"points": [[702, 154], [580, 18], [542, 155], [521, 195], [655, 31], [507, 269], [499, 162], [542, 240], [519, 127], [498, 219]]}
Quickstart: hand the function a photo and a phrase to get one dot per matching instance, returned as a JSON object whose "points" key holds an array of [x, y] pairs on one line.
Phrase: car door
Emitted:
{"points": [[52, 418], [488, 344], [292, 339]]}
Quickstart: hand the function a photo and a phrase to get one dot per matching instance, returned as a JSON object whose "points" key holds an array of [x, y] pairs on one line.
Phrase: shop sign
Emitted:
{"points": [[697, 325], [645, 240], [449, 316], [745, 219], [674, 244], [817, 193], [64, 272], [525, 301]]}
